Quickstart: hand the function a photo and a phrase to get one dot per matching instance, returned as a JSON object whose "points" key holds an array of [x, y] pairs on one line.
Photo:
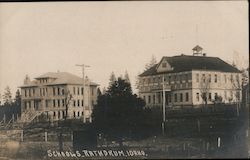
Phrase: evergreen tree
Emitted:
{"points": [[126, 77], [137, 82], [7, 96], [152, 62], [112, 79], [118, 112], [99, 93], [18, 98]]}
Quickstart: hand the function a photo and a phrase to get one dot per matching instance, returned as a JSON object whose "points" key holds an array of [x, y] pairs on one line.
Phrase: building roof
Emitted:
{"points": [[60, 78], [187, 63], [197, 48]]}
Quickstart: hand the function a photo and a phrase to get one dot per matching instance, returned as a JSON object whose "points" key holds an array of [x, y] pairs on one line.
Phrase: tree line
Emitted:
{"points": [[9, 105], [119, 114]]}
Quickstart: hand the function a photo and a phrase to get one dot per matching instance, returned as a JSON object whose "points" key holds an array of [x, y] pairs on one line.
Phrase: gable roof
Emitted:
{"points": [[60, 78], [187, 63]]}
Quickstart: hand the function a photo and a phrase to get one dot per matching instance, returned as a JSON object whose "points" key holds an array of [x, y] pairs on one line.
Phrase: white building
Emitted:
{"points": [[49, 93], [190, 80]]}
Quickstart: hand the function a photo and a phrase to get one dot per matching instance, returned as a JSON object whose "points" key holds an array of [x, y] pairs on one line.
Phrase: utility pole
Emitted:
{"points": [[163, 106], [85, 93]]}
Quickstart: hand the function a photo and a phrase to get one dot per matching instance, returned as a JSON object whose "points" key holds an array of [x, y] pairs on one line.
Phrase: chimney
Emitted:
{"points": [[26, 80]]}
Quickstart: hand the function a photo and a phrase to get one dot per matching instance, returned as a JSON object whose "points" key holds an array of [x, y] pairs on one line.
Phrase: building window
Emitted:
{"points": [[164, 65], [63, 102], [58, 103], [197, 77], [186, 75], [59, 115], [78, 102], [54, 103], [149, 99], [58, 91], [33, 91], [46, 103], [74, 114], [175, 78], [198, 97], [203, 78], [54, 114], [215, 96], [231, 78], [78, 90], [187, 97], [74, 90], [237, 78], [62, 91], [25, 93], [82, 113], [209, 78], [209, 96], [170, 98], [82, 90], [29, 93], [175, 97], [225, 78], [237, 95], [159, 98], [82, 102], [78, 114], [74, 103], [54, 91], [154, 80], [169, 79], [215, 78], [181, 97]]}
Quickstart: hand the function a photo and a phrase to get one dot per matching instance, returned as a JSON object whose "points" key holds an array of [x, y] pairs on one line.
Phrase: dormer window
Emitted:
{"points": [[164, 65]]}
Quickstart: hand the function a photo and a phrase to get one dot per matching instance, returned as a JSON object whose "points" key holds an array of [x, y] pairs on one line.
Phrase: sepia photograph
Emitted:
{"points": [[124, 80]]}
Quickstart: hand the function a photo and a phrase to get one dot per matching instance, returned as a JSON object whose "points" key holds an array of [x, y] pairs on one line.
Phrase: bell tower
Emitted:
{"points": [[197, 51]]}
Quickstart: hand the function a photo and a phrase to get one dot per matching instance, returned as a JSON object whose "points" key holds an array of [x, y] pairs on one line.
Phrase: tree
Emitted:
{"points": [[205, 88], [18, 98], [67, 99], [137, 82], [7, 96], [152, 62], [245, 76], [118, 113], [126, 77], [237, 86], [99, 92], [112, 79]]}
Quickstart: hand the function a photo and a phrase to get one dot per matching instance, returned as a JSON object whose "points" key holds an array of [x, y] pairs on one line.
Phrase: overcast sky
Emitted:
{"points": [[36, 38]]}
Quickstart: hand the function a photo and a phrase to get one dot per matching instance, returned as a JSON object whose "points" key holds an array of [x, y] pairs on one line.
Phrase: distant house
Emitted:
{"points": [[49, 93], [190, 80]]}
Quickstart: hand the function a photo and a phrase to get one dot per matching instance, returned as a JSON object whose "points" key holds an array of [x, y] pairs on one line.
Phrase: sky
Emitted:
{"points": [[41, 37]]}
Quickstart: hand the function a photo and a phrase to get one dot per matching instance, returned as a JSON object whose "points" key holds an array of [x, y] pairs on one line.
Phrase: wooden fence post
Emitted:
{"points": [[45, 136]]}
